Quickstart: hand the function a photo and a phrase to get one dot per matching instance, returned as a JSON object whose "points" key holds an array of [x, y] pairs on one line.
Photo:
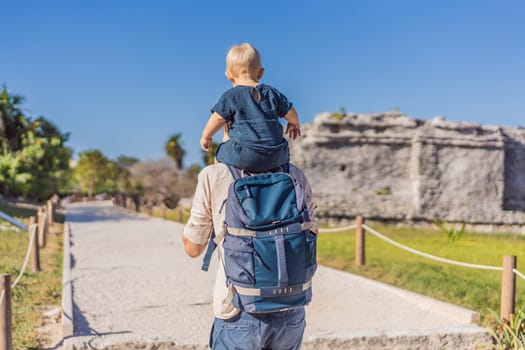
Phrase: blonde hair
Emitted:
{"points": [[243, 58]]}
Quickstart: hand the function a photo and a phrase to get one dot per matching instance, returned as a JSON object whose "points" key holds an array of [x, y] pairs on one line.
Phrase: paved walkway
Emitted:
{"points": [[133, 287]]}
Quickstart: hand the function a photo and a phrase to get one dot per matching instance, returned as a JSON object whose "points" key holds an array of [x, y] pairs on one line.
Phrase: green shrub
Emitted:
{"points": [[339, 115], [451, 232], [384, 191], [508, 335]]}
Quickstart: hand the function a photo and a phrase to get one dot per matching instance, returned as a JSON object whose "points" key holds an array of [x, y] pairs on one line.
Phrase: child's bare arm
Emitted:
{"points": [[292, 129], [225, 135], [215, 122], [291, 117]]}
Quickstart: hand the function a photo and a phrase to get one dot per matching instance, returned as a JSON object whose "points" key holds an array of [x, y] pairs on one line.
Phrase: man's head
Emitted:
{"points": [[243, 61]]}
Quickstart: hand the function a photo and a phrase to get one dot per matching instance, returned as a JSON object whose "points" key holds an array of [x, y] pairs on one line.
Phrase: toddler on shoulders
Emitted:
{"points": [[249, 114]]}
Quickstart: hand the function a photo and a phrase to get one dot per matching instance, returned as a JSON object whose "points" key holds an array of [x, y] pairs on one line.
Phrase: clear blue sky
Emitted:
{"points": [[121, 76]]}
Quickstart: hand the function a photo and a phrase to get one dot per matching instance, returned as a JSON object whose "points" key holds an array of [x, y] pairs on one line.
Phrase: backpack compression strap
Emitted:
{"points": [[274, 291], [292, 228], [282, 271]]}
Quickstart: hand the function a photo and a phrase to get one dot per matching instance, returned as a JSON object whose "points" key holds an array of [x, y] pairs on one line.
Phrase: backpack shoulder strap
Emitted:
{"points": [[236, 173], [214, 241], [209, 252]]}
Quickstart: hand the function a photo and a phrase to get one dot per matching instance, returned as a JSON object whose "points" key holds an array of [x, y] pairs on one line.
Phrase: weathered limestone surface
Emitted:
{"points": [[390, 166]]}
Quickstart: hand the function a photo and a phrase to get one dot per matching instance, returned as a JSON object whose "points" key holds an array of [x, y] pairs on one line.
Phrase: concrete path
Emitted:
{"points": [[134, 288]]}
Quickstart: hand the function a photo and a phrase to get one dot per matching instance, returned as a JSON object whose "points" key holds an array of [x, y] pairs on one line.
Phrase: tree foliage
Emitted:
{"points": [[161, 181], [126, 161], [34, 160], [95, 173], [174, 150]]}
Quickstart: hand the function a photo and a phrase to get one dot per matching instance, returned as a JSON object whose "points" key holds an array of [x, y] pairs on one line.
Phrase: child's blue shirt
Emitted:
{"points": [[256, 135]]}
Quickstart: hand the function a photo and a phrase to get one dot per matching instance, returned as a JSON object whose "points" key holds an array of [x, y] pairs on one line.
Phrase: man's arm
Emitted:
{"points": [[200, 223], [192, 249]]}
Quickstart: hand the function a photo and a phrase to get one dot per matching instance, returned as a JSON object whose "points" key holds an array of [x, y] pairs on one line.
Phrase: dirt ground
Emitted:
{"points": [[51, 332]]}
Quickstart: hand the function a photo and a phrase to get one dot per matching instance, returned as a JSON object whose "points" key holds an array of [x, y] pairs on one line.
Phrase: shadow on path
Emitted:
{"points": [[82, 327]]}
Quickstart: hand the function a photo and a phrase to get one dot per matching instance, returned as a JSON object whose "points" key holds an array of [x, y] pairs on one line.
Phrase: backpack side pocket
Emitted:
{"points": [[238, 260], [311, 254]]}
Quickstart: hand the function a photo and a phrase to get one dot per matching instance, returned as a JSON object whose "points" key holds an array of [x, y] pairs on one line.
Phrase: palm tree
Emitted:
{"points": [[12, 121], [174, 150]]}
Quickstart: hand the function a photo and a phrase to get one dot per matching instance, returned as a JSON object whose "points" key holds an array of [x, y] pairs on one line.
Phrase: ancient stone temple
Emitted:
{"points": [[393, 167]]}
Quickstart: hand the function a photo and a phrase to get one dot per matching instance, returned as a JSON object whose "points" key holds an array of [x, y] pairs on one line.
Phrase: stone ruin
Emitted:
{"points": [[389, 166]]}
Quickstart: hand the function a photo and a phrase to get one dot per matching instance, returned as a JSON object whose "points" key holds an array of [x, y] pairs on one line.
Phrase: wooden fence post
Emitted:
{"points": [[508, 288], [41, 228], [55, 199], [6, 340], [35, 249], [49, 213], [359, 241]]}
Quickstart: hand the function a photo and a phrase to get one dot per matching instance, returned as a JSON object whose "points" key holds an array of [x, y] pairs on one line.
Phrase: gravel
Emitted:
{"points": [[133, 287]]}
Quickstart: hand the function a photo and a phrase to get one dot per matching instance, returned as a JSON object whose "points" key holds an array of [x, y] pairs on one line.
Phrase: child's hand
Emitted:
{"points": [[293, 130], [205, 143]]}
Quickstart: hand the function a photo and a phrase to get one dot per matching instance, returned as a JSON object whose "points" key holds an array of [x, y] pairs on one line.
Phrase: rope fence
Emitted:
{"points": [[37, 230], [32, 235], [429, 256], [509, 271], [337, 229], [517, 273]]}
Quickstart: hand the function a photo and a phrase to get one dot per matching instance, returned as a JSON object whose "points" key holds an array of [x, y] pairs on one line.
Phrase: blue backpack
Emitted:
{"points": [[269, 250]]}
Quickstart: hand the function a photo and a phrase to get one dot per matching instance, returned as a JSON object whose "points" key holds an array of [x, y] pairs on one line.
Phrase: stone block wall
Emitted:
{"points": [[514, 190], [389, 166]]}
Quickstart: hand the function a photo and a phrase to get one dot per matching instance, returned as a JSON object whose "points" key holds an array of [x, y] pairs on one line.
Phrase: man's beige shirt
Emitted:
{"points": [[208, 212]]}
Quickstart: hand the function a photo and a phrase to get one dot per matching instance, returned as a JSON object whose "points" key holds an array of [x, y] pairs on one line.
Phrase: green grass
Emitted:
{"points": [[16, 210], [36, 291], [22, 211], [471, 288]]}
